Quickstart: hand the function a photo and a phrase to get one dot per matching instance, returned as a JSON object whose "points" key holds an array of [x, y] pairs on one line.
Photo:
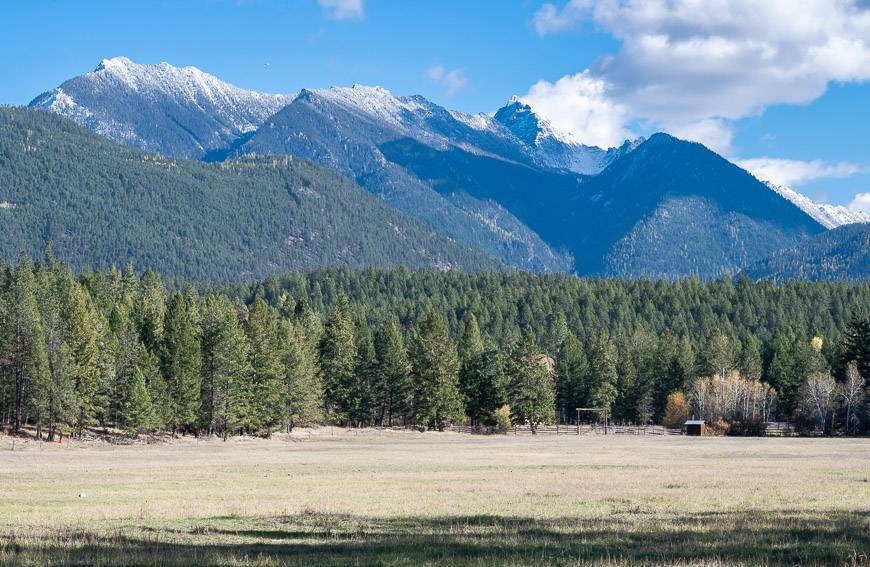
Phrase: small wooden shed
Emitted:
{"points": [[696, 427]]}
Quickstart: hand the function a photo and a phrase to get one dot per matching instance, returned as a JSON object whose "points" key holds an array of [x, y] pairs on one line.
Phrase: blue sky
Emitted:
{"points": [[782, 88]]}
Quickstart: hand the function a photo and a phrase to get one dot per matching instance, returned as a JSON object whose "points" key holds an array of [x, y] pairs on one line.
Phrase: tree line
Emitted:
{"points": [[379, 347]]}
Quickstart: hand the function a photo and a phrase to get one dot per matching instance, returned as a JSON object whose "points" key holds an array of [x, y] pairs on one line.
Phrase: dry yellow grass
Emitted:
{"points": [[544, 499]]}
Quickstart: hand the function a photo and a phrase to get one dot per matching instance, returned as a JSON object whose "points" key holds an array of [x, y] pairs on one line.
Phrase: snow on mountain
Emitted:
{"points": [[381, 116], [829, 216], [555, 148], [174, 110]]}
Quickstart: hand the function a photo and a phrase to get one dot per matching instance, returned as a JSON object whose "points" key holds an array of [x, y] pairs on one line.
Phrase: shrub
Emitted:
{"points": [[502, 418], [676, 411]]}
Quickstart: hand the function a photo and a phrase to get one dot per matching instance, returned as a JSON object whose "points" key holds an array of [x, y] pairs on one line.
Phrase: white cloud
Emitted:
{"points": [[697, 65], [343, 9], [578, 104], [861, 202], [714, 133], [453, 80], [793, 173], [550, 19]]}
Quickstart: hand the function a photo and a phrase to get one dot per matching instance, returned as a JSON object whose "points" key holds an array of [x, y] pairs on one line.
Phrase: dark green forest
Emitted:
{"points": [[102, 203], [424, 348]]}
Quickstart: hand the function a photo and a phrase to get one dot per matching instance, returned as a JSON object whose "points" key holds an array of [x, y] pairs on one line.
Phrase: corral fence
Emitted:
{"points": [[597, 429]]}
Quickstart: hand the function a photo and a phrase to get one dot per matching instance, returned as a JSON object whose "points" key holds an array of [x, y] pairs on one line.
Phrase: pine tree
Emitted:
{"points": [[717, 357], [394, 370], [530, 389], [750, 365], [572, 370], [61, 395], [303, 393], [152, 311], [365, 382], [602, 372], [338, 361], [855, 345], [226, 390], [136, 408], [484, 384], [25, 354], [84, 356], [267, 365], [435, 374], [479, 376], [182, 361]]}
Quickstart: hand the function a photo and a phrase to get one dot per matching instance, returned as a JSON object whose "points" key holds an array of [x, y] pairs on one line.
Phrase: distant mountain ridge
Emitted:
{"points": [[839, 254], [508, 185], [175, 111], [345, 129], [829, 216]]}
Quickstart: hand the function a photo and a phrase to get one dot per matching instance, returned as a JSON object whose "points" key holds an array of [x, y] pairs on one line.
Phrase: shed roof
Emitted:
{"points": [[694, 422]]}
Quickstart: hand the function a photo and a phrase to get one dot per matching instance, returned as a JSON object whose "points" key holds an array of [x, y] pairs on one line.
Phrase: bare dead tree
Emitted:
{"points": [[852, 394], [819, 397]]}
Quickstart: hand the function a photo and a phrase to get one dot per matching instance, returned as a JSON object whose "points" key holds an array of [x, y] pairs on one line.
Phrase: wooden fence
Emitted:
{"points": [[779, 429], [571, 430]]}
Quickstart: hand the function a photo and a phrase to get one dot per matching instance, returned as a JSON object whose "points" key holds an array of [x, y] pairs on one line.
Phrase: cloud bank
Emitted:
{"points": [[793, 173], [692, 67]]}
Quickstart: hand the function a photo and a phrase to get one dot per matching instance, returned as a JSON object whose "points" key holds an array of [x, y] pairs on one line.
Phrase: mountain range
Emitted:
{"points": [[509, 185]]}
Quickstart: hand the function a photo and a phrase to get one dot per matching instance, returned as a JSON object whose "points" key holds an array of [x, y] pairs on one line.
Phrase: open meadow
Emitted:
{"points": [[401, 498]]}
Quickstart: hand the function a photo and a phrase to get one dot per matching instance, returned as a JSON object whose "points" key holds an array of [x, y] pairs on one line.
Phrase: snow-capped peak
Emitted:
{"points": [[119, 99], [376, 102], [554, 147], [829, 216], [530, 126]]}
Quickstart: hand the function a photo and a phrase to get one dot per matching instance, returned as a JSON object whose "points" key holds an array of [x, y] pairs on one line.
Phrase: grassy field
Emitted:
{"points": [[372, 498]]}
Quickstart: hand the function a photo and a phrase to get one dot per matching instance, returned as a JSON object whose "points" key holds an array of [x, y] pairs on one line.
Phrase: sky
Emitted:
{"points": [[780, 87]]}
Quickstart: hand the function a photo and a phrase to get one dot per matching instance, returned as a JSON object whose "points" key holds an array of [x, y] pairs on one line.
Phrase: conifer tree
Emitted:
{"points": [[365, 382], [61, 395], [84, 356], [136, 408], [750, 365], [152, 311], [267, 366], [226, 390], [602, 372], [472, 373], [25, 357], [855, 345], [572, 370], [483, 383], [338, 361], [435, 374], [393, 369], [182, 362], [303, 393], [530, 389], [717, 357]]}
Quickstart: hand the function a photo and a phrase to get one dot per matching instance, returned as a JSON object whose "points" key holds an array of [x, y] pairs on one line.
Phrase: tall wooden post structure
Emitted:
{"points": [[599, 410]]}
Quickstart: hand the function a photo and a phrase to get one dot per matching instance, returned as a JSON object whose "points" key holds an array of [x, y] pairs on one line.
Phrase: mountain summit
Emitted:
{"points": [[553, 147], [177, 111]]}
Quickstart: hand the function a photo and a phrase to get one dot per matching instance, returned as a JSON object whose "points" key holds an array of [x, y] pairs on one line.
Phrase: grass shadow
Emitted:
{"points": [[722, 538]]}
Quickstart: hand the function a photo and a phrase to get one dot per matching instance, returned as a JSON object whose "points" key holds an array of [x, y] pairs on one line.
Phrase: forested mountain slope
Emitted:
{"points": [[102, 203], [667, 209], [345, 129], [839, 254]]}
